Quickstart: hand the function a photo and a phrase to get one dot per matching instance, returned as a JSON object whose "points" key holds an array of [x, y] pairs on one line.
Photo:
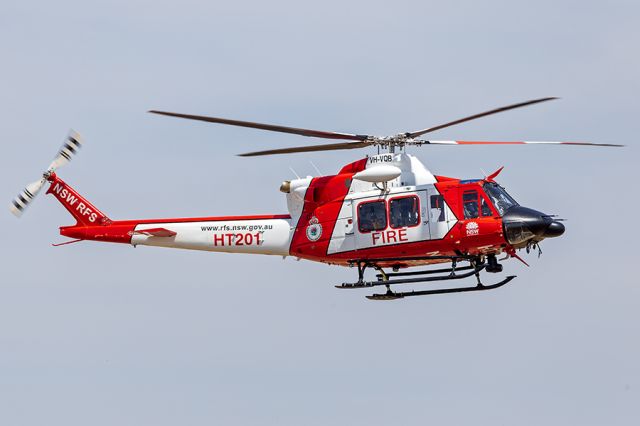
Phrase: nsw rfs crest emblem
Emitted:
{"points": [[314, 230]]}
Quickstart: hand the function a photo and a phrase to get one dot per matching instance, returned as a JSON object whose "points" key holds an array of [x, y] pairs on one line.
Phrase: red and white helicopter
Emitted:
{"points": [[386, 212]]}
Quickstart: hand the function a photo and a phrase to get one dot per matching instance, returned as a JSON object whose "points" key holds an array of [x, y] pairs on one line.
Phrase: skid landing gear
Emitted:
{"points": [[390, 278]]}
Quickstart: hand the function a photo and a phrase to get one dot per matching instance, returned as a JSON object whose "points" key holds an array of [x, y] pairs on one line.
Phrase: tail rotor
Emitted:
{"points": [[68, 150]]}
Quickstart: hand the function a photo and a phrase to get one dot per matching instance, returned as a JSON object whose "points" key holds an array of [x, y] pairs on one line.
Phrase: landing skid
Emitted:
{"points": [[389, 279], [391, 295]]}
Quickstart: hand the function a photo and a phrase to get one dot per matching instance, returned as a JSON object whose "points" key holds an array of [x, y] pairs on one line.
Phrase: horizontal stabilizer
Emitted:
{"points": [[156, 232]]}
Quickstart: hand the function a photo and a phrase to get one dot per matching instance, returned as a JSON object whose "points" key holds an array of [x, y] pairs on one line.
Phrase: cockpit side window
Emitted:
{"points": [[484, 207], [372, 216], [499, 197], [470, 204]]}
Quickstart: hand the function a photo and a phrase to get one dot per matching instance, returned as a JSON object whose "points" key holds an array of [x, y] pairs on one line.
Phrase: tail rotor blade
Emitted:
{"points": [[69, 149], [24, 198]]}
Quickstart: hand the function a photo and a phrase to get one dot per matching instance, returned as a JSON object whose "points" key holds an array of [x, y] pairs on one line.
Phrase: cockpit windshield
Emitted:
{"points": [[499, 197]]}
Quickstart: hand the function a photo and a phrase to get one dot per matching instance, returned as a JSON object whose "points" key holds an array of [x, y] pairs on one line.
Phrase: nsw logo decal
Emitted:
{"points": [[472, 228], [314, 229]]}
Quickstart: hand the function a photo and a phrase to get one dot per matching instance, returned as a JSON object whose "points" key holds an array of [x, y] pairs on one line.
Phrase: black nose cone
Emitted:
{"points": [[523, 225], [555, 229]]}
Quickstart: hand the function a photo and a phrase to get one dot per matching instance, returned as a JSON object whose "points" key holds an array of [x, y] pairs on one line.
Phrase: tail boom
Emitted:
{"points": [[262, 234], [266, 234]]}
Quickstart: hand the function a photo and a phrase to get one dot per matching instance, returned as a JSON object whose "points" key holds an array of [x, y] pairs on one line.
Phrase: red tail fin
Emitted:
{"points": [[85, 213]]}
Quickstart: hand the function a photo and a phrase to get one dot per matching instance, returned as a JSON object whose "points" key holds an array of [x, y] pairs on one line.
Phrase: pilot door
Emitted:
{"points": [[390, 220], [478, 218]]}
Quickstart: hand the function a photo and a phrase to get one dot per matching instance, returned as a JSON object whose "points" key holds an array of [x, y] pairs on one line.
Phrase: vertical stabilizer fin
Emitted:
{"points": [[80, 208]]}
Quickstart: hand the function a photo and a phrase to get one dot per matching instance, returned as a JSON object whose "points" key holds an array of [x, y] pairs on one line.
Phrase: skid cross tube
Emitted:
{"points": [[387, 278], [435, 271], [387, 282], [363, 264], [409, 259]]}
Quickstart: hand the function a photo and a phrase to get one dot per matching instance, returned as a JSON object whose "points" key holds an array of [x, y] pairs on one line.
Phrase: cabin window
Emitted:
{"points": [[372, 216], [437, 208], [404, 212], [470, 204]]}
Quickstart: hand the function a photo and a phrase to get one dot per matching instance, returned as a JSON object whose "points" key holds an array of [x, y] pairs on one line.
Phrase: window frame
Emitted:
{"points": [[386, 215], [464, 202], [487, 200], [399, 198], [483, 198], [502, 191]]}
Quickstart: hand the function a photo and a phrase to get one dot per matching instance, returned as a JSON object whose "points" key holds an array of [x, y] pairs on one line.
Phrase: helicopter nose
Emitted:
{"points": [[523, 225], [555, 229]]}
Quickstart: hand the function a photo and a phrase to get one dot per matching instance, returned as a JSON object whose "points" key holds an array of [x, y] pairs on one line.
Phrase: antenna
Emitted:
{"points": [[294, 172], [317, 170]]}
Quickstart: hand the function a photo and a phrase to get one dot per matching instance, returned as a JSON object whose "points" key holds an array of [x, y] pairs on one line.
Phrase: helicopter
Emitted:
{"points": [[386, 212]]}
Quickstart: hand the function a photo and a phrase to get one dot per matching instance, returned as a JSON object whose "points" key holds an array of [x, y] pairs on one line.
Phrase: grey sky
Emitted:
{"points": [[111, 335]]}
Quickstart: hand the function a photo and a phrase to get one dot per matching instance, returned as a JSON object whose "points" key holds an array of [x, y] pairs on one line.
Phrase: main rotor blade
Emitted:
{"points": [[518, 143], [482, 114], [269, 127], [325, 147]]}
